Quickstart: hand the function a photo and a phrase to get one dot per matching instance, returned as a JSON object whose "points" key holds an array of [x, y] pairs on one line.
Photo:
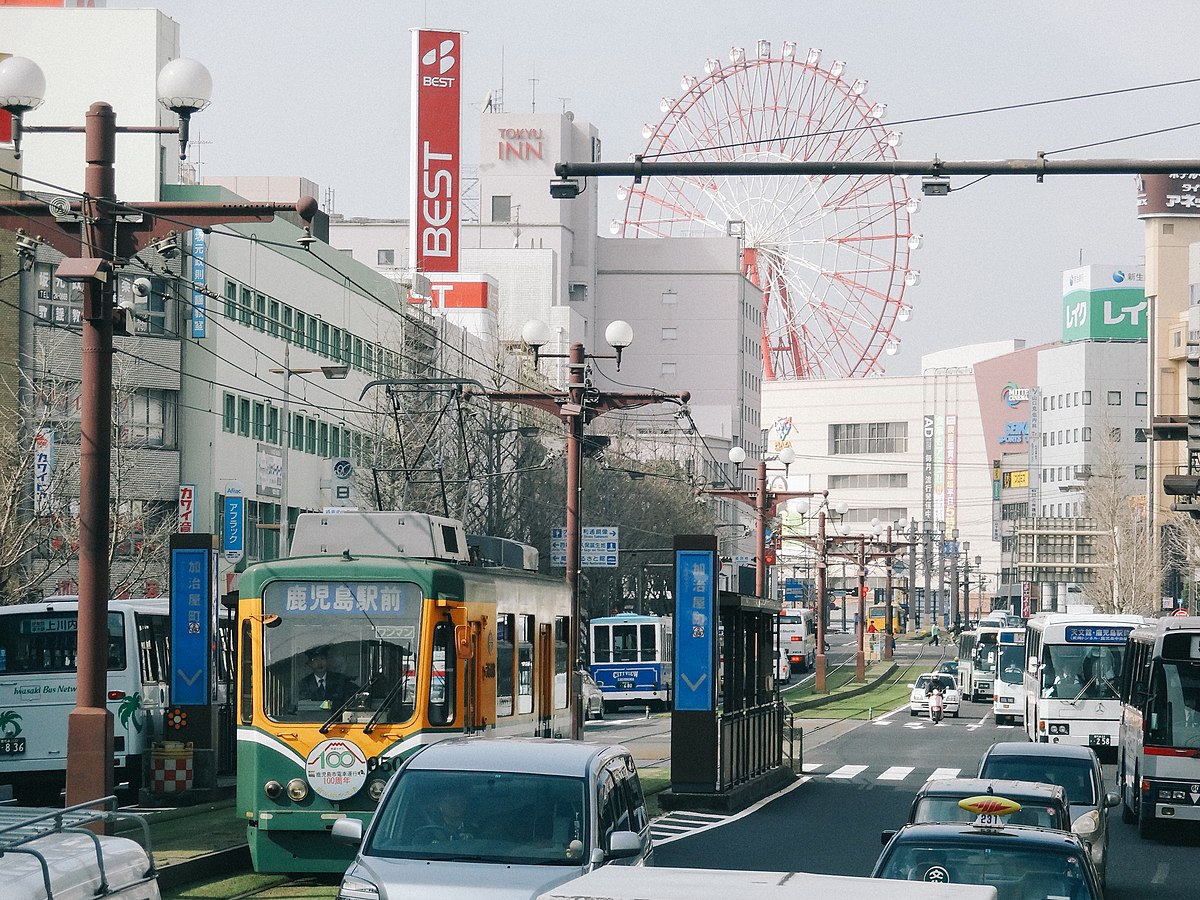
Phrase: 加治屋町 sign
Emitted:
{"points": [[1104, 303]]}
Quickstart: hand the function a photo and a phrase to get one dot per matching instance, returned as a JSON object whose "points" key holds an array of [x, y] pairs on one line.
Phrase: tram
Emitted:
{"points": [[375, 636], [631, 659]]}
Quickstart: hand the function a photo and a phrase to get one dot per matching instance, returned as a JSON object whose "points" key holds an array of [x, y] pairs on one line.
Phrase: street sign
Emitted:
{"points": [[192, 609], [1180, 611], [600, 548], [695, 630], [233, 532]]}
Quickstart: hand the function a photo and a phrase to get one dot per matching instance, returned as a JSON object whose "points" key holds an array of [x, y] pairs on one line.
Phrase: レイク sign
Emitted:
{"points": [[436, 106]]}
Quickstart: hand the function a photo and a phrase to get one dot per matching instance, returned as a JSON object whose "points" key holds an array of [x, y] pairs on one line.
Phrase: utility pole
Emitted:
{"points": [[822, 604], [860, 658], [888, 631], [954, 578], [914, 608], [927, 565], [939, 601]]}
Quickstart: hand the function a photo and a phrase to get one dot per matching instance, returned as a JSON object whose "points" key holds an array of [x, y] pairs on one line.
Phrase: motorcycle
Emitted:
{"points": [[936, 707]]}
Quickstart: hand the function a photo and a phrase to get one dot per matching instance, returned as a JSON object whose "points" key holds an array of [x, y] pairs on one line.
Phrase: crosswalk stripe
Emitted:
{"points": [[847, 772], [812, 767], [944, 773], [896, 773]]}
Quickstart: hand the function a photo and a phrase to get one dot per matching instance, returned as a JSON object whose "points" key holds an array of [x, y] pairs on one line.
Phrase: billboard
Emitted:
{"points": [[1168, 195], [436, 151], [1104, 303]]}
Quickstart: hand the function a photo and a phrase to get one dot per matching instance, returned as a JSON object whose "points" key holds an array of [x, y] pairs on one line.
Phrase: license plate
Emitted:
{"points": [[10, 746], [1099, 740]]}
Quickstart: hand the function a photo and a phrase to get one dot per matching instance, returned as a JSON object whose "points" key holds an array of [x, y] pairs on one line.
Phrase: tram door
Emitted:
{"points": [[467, 638], [544, 668]]}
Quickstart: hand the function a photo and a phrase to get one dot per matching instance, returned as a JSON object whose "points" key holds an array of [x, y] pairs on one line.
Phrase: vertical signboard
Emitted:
{"points": [[187, 508], [927, 426], [434, 182], [233, 530], [695, 629], [43, 469], [939, 468], [1035, 451], [951, 471], [199, 277], [193, 611]]}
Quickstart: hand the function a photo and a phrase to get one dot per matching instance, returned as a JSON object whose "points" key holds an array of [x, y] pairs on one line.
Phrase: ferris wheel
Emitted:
{"points": [[830, 253]]}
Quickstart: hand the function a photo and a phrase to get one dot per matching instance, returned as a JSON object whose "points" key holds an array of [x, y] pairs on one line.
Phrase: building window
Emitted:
{"points": [[1077, 398], [385, 257], [323, 439], [1116, 435], [260, 420], [669, 334], [323, 347], [1139, 435], [301, 324], [312, 334], [231, 294], [244, 416], [668, 368], [245, 313], [502, 208], [869, 480], [273, 424], [1139, 472], [273, 318], [1087, 398], [298, 421], [1139, 398], [868, 437], [669, 297], [1045, 403], [229, 413], [310, 435], [1114, 398], [260, 312], [1087, 432], [335, 344], [335, 442]]}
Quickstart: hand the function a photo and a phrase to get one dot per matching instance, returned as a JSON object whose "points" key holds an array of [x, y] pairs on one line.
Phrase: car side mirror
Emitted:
{"points": [[886, 836], [623, 845], [1112, 799], [348, 831]]}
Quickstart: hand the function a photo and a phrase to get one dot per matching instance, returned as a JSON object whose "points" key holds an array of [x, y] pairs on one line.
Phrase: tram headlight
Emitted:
{"points": [[273, 790], [297, 789], [375, 789]]}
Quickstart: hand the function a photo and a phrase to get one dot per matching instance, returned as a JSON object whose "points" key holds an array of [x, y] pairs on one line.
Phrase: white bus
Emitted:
{"points": [[1072, 670], [1158, 764], [977, 662], [1008, 699], [797, 637], [38, 649]]}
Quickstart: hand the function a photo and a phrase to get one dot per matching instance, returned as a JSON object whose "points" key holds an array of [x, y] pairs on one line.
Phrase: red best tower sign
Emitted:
{"points": [[437, 64]]}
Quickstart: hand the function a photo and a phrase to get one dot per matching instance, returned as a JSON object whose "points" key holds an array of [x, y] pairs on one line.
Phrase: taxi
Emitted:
{"points": [[938, 800], [1019, 861]]}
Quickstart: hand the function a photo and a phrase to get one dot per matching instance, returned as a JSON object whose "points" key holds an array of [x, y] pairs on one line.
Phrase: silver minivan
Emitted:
{"points": [[511, 816]]}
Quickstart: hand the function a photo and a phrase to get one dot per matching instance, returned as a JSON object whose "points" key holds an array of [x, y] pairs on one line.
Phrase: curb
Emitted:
{"points": [[835, 696], [229, 861]]}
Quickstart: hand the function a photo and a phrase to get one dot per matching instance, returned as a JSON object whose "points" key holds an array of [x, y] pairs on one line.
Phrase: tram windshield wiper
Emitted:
{"points": [[389, 696], [362, 691]]}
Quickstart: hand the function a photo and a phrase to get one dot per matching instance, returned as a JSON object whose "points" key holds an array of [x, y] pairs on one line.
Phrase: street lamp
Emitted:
{"points": [[331, 372], [112, 232], [576, 407]]}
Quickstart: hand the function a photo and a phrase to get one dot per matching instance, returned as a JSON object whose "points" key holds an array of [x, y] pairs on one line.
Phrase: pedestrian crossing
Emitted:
{"points": [[893, 774]]}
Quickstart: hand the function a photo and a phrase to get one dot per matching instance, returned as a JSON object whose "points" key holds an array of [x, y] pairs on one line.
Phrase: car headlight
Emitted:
{"points": [[355, 888], [297, 789], [1087, 826]]}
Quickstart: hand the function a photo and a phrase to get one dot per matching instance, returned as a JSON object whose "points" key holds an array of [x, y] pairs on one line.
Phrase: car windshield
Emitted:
{"points": [[1073, 775], [1016, 872], [514, 818], [945, 682], [946, 809]]}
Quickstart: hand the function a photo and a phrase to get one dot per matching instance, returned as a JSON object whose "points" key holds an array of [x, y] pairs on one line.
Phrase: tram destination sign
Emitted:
{"points": [[601, 547]]}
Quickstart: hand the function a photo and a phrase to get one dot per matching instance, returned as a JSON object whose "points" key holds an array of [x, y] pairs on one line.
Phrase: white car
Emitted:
{"points": [[918, 700], [783, 667], [592, 697]]}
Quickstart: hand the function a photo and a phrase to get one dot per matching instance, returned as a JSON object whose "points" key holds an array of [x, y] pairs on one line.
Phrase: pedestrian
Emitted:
{"points": [[933, 633], [871, 629]]}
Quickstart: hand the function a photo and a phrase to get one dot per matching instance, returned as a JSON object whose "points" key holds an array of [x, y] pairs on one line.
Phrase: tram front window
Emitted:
{"points": [[341, 644]]}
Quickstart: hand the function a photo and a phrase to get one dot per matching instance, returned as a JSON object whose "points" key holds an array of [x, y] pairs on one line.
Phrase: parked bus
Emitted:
{"points": [[1158, 764], [1008, 699], [425, 646], [38, 650], [631, 659], [1072, 673], [798, 638]]}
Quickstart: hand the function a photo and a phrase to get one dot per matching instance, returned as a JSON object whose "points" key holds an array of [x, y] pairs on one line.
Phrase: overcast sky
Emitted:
{"points": [[321, 90]]}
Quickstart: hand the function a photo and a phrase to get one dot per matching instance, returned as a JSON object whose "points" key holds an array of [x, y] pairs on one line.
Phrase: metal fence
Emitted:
{"points": [[752, 742]]}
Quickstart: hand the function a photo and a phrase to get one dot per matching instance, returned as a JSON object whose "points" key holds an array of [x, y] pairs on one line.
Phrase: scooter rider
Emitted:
{"points": [[934, 693]]}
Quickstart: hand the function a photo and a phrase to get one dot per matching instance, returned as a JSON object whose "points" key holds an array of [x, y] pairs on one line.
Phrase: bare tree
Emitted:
{"points": [[1129, 573]]}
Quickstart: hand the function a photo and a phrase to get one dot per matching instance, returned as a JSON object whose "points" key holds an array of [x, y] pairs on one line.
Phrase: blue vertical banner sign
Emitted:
{"points": [[199, 286], [695, 630], [233, 531], [193, 605]]}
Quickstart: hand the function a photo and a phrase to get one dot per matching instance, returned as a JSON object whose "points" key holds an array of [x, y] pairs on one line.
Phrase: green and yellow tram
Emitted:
{"points": [[377, 635]]}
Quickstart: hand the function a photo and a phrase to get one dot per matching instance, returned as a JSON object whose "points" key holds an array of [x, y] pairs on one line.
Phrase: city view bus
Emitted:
{"points": [[1158, 764], [798, 638], [1008, 703], [1072, 673], [631, 659], [38, 651]]}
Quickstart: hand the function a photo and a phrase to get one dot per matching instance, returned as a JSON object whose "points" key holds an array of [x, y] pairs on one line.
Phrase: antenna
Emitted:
{"points": [[329, 195], [534, 82], [564, 103]]}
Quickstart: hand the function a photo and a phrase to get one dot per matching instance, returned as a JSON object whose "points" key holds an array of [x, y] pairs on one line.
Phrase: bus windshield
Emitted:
{"points": [[1082, 671], [1174, 705], [48, 642], [334, 641], [985, 654], [1011, 669]]}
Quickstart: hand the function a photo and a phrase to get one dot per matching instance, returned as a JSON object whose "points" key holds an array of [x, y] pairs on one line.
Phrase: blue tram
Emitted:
{"points": [[630, 659]]}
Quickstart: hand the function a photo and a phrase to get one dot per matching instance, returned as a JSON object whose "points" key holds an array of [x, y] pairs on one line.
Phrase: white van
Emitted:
{"points": [[797, 637]]}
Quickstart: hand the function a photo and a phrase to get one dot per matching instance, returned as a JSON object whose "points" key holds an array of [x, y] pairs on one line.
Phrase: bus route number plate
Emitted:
{"points": [[11, 746]]}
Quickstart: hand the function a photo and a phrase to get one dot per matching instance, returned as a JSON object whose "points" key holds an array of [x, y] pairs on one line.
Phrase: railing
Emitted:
{"points": [[751, 743]]}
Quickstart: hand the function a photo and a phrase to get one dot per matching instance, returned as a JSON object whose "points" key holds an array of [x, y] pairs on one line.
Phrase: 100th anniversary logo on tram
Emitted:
{"points": [[336, 769]]}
